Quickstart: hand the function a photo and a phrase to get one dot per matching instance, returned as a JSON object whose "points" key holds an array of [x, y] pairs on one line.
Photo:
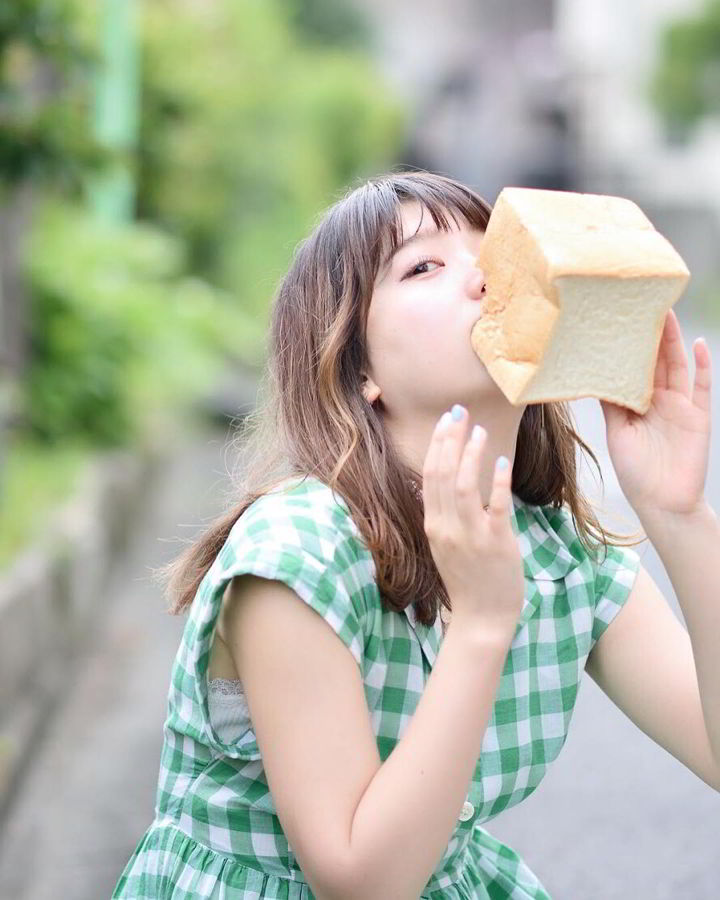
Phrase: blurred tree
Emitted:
{"points": [[240, 149], [236, 153], [685, 85], [44, 136], [44, 93], [253, 116], [106, 343]]}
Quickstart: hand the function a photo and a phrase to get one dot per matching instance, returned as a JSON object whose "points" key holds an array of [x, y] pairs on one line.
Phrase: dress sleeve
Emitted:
{"points": [[306, 543], [614, 577]]}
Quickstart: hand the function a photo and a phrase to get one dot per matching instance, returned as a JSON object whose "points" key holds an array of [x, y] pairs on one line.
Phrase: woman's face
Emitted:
{"points": [[424, 304]]}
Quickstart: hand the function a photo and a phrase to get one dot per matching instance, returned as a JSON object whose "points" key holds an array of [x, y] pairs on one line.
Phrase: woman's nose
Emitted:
{"points": [[476, 284]]}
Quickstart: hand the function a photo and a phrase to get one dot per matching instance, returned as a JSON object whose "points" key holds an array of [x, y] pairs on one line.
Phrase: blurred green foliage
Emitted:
{"points": [[247, 130], [45, 96], [252, 120], [255, 115], [118, 330], [37, 478], [686, 83]]}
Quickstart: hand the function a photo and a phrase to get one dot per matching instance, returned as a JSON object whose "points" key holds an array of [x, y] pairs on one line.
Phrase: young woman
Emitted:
{"points": [[387, 631]]}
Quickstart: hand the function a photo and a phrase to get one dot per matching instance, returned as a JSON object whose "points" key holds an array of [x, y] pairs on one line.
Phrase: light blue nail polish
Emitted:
{"points": [[457, 412], [502, 462]]}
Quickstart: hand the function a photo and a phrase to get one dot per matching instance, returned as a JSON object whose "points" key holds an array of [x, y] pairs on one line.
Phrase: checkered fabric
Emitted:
{"points": [[216, 832]]}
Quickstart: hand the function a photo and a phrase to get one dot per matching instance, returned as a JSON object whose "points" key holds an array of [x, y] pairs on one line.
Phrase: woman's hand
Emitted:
{"points": [[661, 458], [476, 552]]}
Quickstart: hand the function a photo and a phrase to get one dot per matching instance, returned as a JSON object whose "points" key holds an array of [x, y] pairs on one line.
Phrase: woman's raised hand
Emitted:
{"points": [[476, 552]]}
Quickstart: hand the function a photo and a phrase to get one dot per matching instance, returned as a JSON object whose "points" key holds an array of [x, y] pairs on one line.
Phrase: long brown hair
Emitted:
{"points": [[313, 419]]}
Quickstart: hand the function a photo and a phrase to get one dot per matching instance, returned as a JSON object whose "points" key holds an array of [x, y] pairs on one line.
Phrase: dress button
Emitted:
{"points": [[467, 811]]}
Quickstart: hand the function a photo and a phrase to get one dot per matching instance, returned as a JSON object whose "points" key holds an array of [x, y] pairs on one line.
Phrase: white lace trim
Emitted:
{"points": [[226, 687], [228, 708]]}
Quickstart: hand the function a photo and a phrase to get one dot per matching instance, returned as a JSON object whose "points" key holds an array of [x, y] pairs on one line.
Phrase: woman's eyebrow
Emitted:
{"points": [[418, 236]]}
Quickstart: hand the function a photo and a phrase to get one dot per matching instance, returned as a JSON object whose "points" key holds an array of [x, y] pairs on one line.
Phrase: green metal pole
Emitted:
{"points": [[116, 114]]}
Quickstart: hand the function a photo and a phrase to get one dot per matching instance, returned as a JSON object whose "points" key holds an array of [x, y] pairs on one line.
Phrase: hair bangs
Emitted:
{"points": [[380, 204]]}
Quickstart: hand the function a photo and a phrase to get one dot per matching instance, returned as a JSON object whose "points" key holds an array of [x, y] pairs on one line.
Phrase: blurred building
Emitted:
{"points": [[488, 88], [611, 49]]}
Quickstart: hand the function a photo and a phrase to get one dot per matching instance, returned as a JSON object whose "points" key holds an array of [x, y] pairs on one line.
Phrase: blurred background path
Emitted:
{"points": [[89, 793]]}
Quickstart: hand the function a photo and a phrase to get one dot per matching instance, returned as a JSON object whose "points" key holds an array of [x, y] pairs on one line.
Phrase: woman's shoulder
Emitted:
{"points": [[300, 495], [301, 532], [562, 539], [301, 510]]}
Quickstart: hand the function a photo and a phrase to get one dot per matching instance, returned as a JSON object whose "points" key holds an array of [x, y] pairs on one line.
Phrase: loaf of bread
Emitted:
{"points": [[577, 290]]}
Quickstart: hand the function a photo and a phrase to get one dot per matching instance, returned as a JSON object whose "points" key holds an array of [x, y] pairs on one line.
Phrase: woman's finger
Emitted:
{"points": [[500, 494], [450, 454], [469, 499], [430, 489]]}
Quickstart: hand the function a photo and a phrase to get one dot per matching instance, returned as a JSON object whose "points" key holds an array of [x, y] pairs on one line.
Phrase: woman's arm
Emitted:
{"points": [[360, 829]]}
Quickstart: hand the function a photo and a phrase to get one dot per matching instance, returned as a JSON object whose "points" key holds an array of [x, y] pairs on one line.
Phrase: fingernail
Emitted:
{"points": [[502, 462], [477, 433], [457, 412], [445, 420]]}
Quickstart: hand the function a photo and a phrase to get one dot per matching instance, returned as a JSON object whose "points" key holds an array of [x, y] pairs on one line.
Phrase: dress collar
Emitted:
{"points": [[545, 558]]}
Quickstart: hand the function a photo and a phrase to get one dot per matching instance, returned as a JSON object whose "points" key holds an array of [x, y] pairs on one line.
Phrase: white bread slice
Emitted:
{"points": [[577, 290]]}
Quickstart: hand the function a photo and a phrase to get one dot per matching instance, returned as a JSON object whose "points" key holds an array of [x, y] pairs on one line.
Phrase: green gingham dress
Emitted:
{"points": [[216, 833]]}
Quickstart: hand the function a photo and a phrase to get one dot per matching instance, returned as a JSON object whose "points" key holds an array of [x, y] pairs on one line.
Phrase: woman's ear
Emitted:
{"points": [[370, 390]]}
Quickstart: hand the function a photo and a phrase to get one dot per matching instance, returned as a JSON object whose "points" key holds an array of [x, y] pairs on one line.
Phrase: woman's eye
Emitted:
{"points": [[419, 264]]}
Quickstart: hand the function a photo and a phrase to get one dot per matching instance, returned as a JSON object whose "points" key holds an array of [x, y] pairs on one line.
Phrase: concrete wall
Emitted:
{"points": [[52, 594]]}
